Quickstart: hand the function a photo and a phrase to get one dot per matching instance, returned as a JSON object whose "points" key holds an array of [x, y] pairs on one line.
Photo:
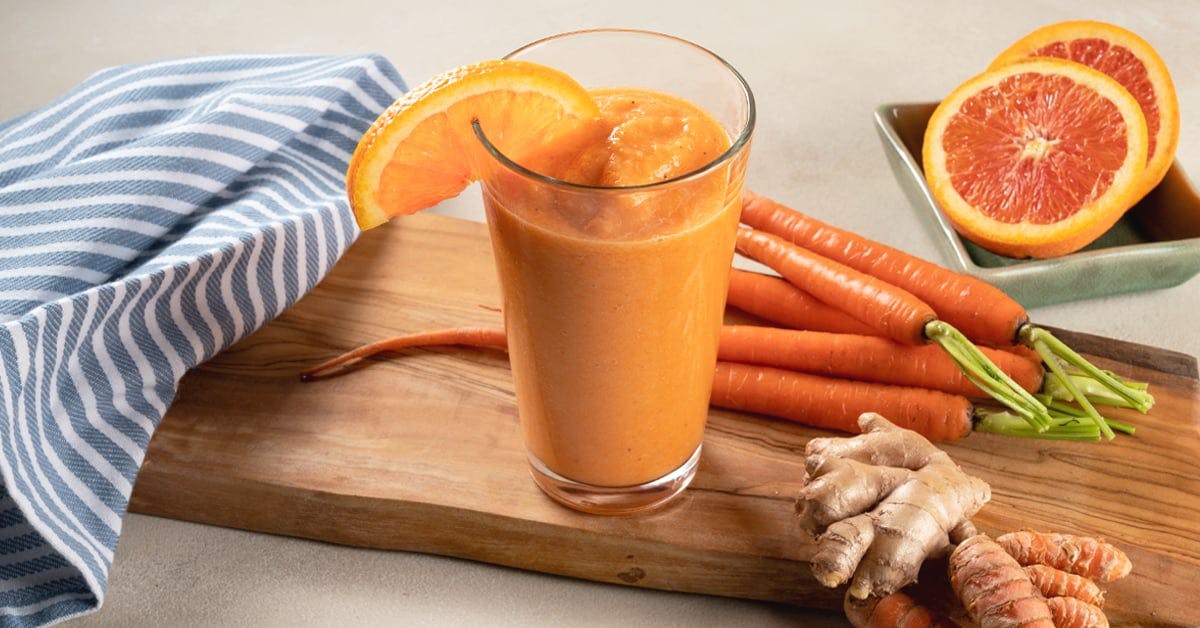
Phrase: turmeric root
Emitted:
{"points": [[1085, 556], [1057, 577], [1057, 583], [1069, 612], [994, 588], [886, 500]]}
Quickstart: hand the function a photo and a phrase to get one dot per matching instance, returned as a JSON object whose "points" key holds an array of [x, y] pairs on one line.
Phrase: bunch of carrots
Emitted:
{"points": [[833, 279], [864, 327]]}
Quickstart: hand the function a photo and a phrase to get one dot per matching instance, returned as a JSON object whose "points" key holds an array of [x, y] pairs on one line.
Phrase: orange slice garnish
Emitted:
{"points": [[1127, 58], [423, 150], [1036, 159]]}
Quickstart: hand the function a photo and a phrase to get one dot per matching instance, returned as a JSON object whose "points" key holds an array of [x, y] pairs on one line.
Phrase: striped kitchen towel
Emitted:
{"points": [[150, 217]]}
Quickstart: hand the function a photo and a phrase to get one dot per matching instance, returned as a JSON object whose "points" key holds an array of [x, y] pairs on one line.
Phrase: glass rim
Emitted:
{"points": [[735, 147]]}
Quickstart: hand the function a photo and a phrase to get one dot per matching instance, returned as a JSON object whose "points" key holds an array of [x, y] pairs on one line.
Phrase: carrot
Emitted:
{"points": [[777, 301], [1058, 583], [807, 399], [898, 610], [482, 337], [836, 404], [978, 309], [993, 587], [864, 358], [981, 311], [1069, 612], [1082, 555], [893, 312]]}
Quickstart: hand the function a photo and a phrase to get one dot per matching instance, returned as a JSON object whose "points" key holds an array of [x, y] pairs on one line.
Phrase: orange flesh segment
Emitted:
{"points": [[431, 164], [422, 150], [1032, 162], [1120, 63], [1128, 59], [1036, 158]]}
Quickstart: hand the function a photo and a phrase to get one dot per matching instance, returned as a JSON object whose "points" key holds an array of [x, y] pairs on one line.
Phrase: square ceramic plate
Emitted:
{"points": [[1155, 245]]}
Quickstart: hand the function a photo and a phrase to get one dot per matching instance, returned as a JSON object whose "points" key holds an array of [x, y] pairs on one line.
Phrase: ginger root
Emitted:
{"points": [[885, 500]]}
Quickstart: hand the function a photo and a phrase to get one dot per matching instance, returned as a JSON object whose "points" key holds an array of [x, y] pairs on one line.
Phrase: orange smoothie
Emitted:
{"points": [[613, 300]]}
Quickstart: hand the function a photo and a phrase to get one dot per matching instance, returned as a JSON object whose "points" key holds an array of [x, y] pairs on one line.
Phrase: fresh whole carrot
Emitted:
{"points": [[978, 309], [775, 300], [1082, 555], [864, 358], [893, 312], [778, 302], [836, 404], [981, 311], [1058, 583], [808, 399], [848, 356]]}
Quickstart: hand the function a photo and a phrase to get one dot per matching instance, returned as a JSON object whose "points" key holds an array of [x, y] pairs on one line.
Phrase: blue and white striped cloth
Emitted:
{"points": [[150, 217]]}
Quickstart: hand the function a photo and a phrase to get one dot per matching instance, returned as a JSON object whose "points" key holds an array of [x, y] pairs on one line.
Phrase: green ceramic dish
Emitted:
{"points": [[1155, 245]]}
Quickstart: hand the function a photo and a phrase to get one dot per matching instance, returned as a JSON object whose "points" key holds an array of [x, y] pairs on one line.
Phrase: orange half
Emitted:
{"points": [[1128, 59], [422, 150], [1036, 159]]}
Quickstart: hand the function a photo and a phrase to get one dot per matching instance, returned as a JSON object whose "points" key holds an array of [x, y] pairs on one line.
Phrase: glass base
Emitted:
{"points": [[614, 500]]}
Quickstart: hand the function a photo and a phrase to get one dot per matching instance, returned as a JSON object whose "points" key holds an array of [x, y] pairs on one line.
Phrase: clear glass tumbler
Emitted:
{"points": [[614, 297]]}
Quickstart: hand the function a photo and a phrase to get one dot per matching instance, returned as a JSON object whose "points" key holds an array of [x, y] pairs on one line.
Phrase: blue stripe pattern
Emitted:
{"points": [[149, 218]]}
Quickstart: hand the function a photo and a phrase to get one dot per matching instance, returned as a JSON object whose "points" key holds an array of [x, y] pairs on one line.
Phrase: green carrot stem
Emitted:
{"points": [[1056, 369], [1058, 408], [1119, 426], [1052, 347], [1009, 424], [1096, 392], [990, 378]]}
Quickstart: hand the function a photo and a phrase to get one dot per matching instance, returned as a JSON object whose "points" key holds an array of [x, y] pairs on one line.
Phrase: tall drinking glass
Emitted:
{"points": [[613, 297]]}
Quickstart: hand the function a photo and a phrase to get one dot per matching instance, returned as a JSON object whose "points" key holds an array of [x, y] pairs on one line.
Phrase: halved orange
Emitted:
{"points": [[422, 150], [1130, 60], [1036, 159]]}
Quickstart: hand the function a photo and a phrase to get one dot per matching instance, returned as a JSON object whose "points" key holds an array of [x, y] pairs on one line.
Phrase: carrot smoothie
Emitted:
{"points": [[613, 257], [613, 310]]}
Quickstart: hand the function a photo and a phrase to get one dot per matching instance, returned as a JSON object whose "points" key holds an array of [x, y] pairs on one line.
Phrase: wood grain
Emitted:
{"points": [[422, 453]]}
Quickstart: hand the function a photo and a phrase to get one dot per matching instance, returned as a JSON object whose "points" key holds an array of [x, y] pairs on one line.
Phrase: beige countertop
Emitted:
{"points": [[817, 70]]}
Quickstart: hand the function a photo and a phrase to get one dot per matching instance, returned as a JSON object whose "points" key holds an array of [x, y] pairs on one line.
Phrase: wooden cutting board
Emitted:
{"points": [[423, 453]]}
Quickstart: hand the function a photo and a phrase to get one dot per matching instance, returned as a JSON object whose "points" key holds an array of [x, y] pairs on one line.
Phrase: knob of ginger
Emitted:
{"points": [[883, 501]]}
